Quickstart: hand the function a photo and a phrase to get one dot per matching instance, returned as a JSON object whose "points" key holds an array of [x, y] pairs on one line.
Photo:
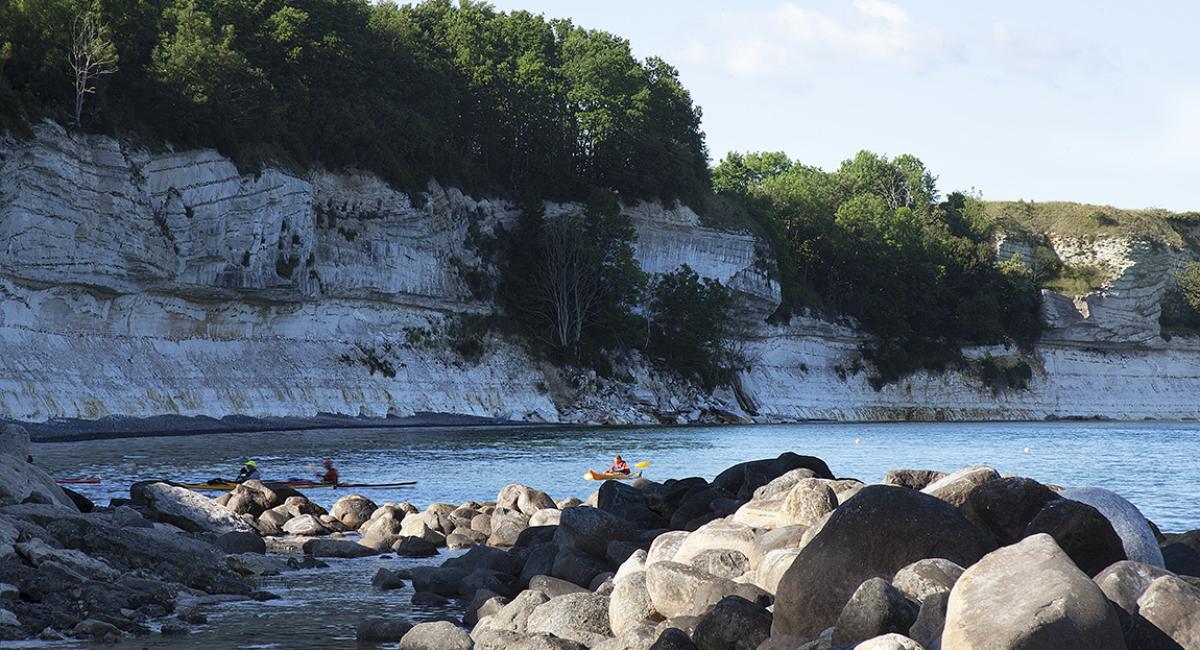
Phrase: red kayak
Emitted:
{"points": [[77, 481]]}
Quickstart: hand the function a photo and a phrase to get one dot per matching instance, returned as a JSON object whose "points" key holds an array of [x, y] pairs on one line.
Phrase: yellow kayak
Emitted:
{"points": [[593, 475]]}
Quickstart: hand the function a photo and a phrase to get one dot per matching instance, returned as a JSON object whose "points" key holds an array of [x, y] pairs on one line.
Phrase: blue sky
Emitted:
{"points": [[1084, 101]]}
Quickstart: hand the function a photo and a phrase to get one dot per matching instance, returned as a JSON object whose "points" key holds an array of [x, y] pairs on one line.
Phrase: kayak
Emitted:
{"points": [[296, 485], [77, 481], [593, 475]]}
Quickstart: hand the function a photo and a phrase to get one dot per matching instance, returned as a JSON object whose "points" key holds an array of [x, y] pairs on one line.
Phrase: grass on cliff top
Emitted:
{"points": [[1065, 218]]}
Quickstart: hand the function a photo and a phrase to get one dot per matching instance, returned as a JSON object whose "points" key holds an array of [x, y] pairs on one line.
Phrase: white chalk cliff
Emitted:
{"points": [[141, 283]]}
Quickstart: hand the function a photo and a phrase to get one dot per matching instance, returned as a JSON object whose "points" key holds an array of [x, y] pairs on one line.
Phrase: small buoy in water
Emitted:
{"points": [[858, 441], [1027, 450]]}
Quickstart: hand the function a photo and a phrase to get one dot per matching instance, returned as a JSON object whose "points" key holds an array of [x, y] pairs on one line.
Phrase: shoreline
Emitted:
{"points": [[116, 427]]}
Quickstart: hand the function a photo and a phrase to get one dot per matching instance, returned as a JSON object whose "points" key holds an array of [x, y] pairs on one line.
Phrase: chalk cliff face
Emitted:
{"points": [[142, 283]]}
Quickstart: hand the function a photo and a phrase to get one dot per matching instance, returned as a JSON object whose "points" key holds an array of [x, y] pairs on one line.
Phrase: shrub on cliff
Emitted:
{"points": [[692, 327]]}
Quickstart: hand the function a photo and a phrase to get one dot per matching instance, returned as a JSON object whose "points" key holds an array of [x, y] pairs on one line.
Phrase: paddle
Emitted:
{"points": [[642, 464]]}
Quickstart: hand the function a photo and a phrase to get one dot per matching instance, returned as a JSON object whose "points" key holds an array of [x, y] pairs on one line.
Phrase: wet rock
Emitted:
{"points": [[429, 599], [82, 503], [460, 539], [445, 581], [382, 630], [917, 479], [734, 624], [673, 639], [628, 503], [387, 579], [96, 629], [21, 482], [539, 561], [414, 547], [927, 630], [353, 510], [523, 499], [696, 504], [955, 487], [1029, 595], [342, 548], [536, 535], [923, 578], [257, 564], [438, 635], [629, 604], [241, 542], [1082, 532], [581, 617], [1127, 521], [576, 567], [876, 608], [673, 586], [1173, 607], [483, 557], [185, 508], [1005, 506], [880, 531]]}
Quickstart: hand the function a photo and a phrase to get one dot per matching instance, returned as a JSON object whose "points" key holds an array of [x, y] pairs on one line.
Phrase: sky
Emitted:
{"points": [[1097, 102]]}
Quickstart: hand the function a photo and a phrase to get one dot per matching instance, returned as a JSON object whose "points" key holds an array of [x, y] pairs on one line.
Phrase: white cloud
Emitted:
{"points": [[791, 36]]}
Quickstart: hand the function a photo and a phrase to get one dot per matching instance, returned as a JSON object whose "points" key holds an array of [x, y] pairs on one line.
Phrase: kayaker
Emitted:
{"points": [[619, 465], [249, 472], [331, 474]]}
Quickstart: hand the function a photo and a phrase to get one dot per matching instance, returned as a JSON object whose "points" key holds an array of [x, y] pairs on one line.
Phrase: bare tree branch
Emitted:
{"points": [[92, 55]]}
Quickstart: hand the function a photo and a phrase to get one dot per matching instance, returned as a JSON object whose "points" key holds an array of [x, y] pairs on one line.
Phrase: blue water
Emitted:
{"points": [[1152, 464]]}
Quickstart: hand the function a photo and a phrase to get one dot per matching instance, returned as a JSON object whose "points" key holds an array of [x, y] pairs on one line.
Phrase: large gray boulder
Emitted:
{"points": [[1029, 595], [186, 509], [523, 499], [880, 531], [1128, 522], [954, 487], [931, 619], [629, 605], [876, 608], [1082, 532], [582, 618], [673, 587], [590, 530], [1124, 582], [439, 635], [1005, 506], [14, 440], [514, 616], [1173, 606], [21, 482], [924, 578], [353, 510], [916, 479], [734, 624], [743, 479]]}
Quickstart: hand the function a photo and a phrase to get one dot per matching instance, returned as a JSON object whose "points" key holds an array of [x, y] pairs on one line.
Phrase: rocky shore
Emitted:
{"points": [[775, 554]]}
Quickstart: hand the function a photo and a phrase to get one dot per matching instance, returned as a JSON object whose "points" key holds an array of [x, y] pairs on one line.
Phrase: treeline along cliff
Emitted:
{"points": [[291, 207]]}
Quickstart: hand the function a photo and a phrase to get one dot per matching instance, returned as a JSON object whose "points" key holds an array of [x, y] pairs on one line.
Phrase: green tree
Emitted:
{"points": [[693, 327]]}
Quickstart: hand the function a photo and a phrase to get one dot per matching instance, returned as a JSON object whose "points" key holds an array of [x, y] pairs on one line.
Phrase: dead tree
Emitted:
{"points": [[92, 55], [570, 282]]}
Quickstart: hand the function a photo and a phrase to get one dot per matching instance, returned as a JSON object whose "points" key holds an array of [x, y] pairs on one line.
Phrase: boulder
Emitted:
{"points": [[917, 479], [82, 503], [1128, 522], [14, 441], [438, 635], [378, 630], [783, 537], [673, 638], [634, 563], [387, 579], [270, 523], [780, 486], [1005, 506], [1173, 607], [484, 557], [880, 531], [575, 567], [414, 547], [665, 546], [37, 553], [1124, 582], [708, 595], [889, 642], [461, 539], [734, 624], [484, 604], [673, 586], [506, 526], [535, 535], [876, 608], [444, 581], [184, 508], [927, 630], [590, 530], [343, 548], [21, 482], [305, 526], [297, 505], [523, 499], [241, 542], [629, 605], [545, 517], [628, 503], [252, 498], [538, 561], [581, 617], [695, 504], [772, 568], [515, 615], [743, 479], [1029, 595], [807, 501], [721, 534], [555, 587], [722, 562], [353, 510], [1082, 532], [954, 488], [923, 578]]}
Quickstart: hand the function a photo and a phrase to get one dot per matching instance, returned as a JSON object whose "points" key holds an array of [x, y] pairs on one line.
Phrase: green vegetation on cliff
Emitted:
{"points": [[497, 102]]}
